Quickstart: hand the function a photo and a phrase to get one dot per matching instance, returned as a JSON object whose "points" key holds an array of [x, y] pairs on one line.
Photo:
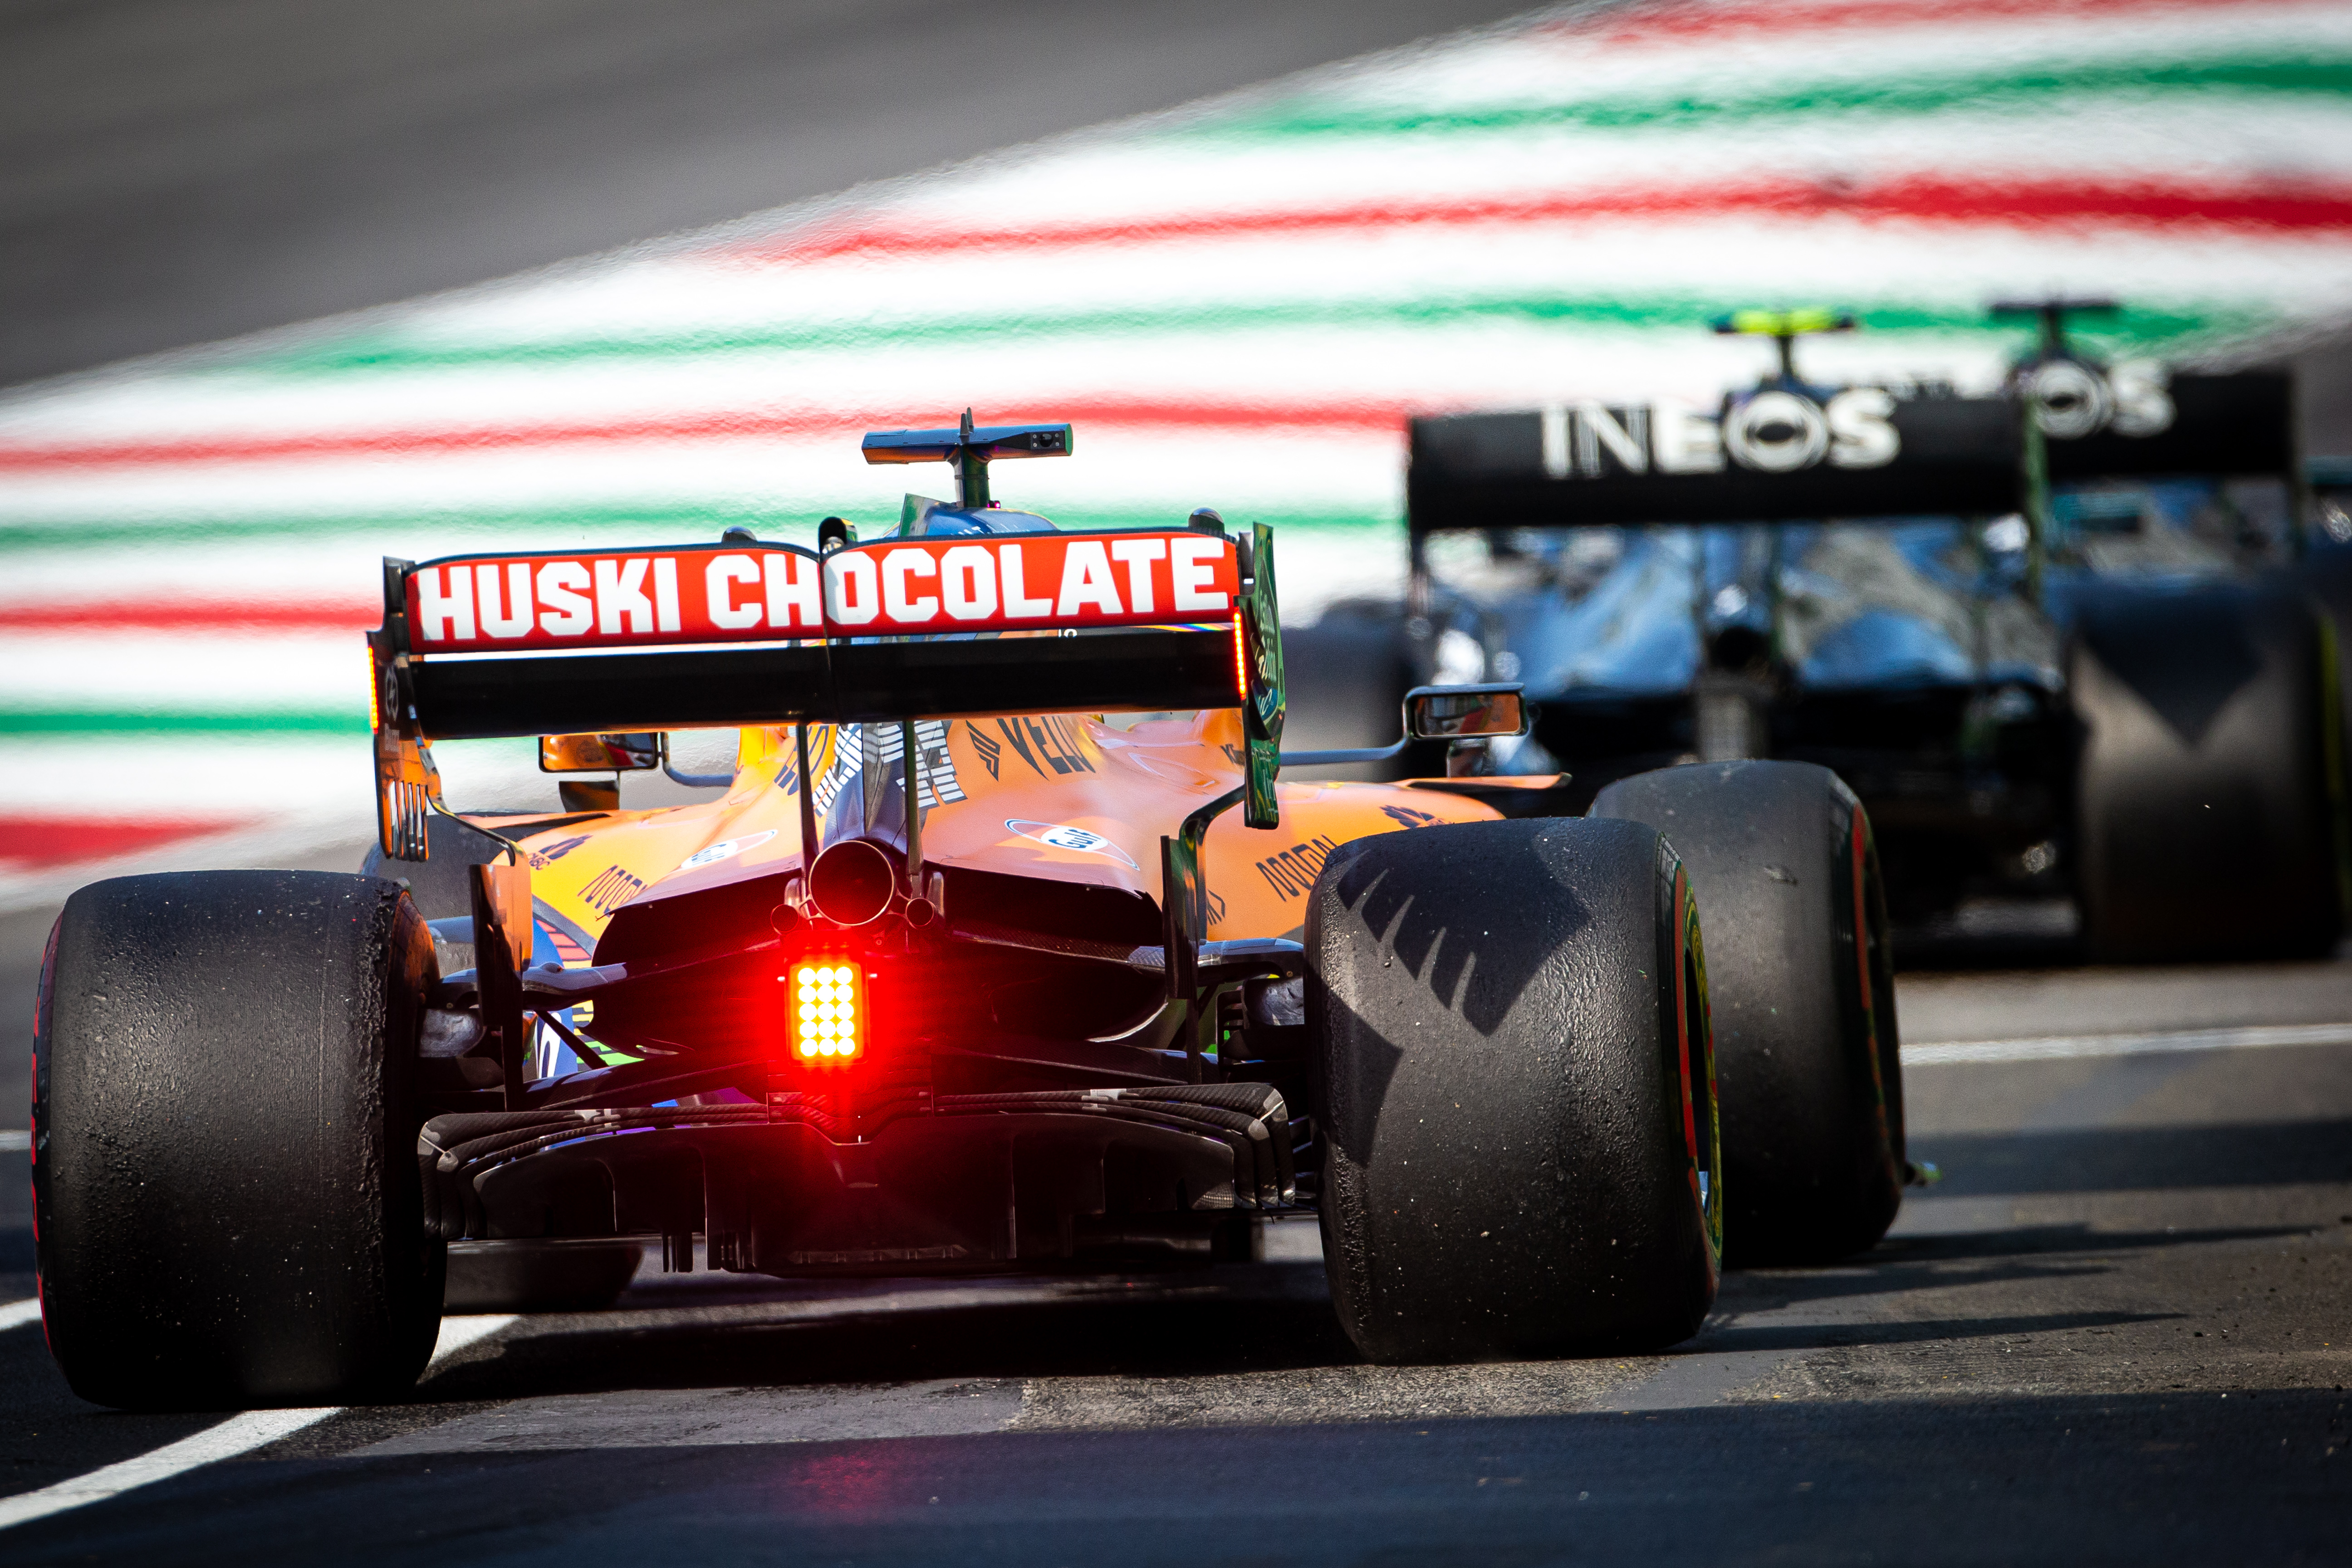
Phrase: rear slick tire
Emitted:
{"points": [[226, 1189], [2210, 787], [1516, 1090], [1802, 979]]}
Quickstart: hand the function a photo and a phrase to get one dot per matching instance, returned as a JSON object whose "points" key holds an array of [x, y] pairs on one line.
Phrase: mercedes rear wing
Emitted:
{"points": [[2133, 421], [1773, 456], [2133, 418], [746, 634]]}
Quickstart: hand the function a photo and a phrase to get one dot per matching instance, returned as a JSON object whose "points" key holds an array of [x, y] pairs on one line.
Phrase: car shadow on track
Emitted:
{"points": [[2023, 1255], [51, 1435], [735, 1331], [1203, 1331], [2118, 1159], [1812, 1337], [2027, 1240], [1890, 1269]]}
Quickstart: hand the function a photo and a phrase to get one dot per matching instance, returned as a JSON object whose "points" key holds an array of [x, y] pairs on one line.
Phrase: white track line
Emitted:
{"points": [[2054, 1048], [238, 1435], [16, 1314]]}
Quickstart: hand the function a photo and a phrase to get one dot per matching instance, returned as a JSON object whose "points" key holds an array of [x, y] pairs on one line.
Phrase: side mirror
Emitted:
{"points": [[637, 753], [1465, 712]]}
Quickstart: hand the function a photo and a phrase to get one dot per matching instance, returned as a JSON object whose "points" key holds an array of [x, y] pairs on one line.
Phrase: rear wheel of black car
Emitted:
{"points": [[2208, 794], [1801, 978], [1509, 1020], [226, 1189]]}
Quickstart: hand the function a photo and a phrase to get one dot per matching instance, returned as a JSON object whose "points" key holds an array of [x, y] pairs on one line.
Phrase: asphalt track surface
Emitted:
{"points": [[2115, 1330], [171, 173]]}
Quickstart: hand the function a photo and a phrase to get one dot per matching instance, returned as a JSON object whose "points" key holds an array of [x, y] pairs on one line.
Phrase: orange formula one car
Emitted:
{"points": [[1003, 950]]}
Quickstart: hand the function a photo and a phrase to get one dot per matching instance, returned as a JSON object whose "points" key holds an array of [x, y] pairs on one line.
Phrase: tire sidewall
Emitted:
{"points": [[1784, 870], [1690, 1051], [227, 1205]]}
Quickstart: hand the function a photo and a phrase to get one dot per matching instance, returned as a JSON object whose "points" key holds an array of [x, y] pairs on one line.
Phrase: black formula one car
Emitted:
{"points": [[1004, 950], [2050, 639]]}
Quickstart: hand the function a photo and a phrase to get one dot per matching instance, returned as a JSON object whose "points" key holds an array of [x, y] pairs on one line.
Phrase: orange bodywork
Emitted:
{"points": [[1061, 798]]}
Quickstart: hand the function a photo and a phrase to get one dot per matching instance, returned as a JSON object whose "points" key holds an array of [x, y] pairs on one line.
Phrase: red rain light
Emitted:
{"points": [[827, 1021]]}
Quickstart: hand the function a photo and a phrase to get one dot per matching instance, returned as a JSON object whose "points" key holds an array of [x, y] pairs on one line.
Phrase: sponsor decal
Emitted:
{"points": [[939, 782], [1405, 816], [725, 850], [1770, 432], [839, 758], [1040, 581], [1293, 871], [2071, 399], [1078, 838], [611, 887], [559, 849], [1048, 744], [569, 952], [570, 938], [987, 746]]}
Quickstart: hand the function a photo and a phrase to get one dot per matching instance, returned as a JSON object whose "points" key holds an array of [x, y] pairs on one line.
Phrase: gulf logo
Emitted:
{"points": [[1066, 837], [630, 600], [725, 850]]}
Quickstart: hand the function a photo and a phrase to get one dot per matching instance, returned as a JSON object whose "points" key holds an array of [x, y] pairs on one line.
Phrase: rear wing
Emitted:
{"points": [[2132, 421], [771, 633], [757, 634], [1775, 456], [2130, 418]]}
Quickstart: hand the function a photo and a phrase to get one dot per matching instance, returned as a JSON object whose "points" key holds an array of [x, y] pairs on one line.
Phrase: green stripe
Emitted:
{"points": [[2142, 329], [87, 721], [2007, 91], [560, 527]]}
